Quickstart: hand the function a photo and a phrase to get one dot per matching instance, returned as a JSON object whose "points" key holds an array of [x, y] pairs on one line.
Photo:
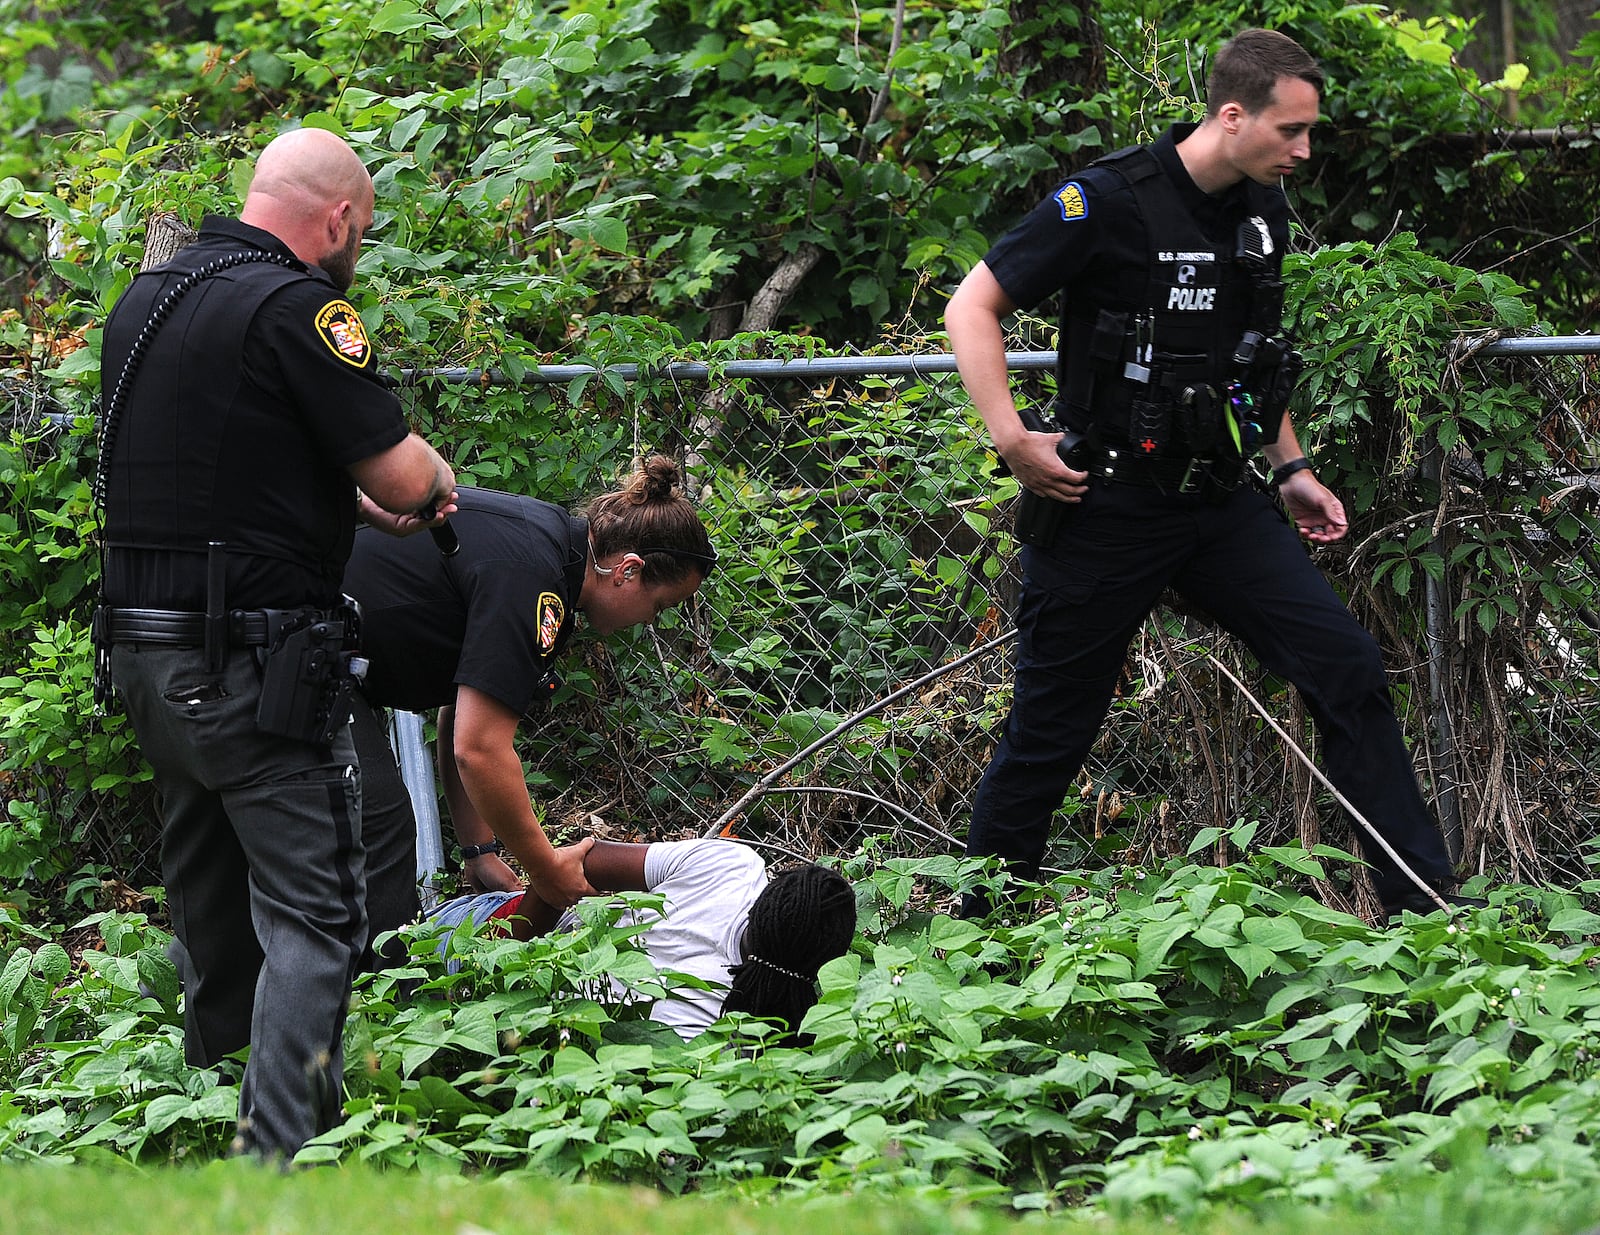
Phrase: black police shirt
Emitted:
{"points": [[1081, 237], [492, 616], [252, 399]]}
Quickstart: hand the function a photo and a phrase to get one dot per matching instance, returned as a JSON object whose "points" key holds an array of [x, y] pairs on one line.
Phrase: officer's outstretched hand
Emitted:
{"points": [[1316, 512], [1033, 461], [564, 883]]}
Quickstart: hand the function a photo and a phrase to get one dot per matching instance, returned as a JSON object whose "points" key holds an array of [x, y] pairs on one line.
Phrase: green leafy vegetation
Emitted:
{"points": [[366, 1201], [621, 183], [1139, 1040]]}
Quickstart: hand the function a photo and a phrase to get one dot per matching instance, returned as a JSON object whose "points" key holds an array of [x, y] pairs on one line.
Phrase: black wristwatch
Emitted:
{"points": [[1283, 471], [468, 852]]}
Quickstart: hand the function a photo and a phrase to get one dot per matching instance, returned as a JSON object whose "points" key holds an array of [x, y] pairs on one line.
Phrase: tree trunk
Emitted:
{"points": [[770, 298], [760, 314], [165, 234], [1032, 61]]}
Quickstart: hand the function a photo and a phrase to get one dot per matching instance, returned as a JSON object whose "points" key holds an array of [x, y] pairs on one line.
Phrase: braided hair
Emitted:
{"points": [[805, 918]]}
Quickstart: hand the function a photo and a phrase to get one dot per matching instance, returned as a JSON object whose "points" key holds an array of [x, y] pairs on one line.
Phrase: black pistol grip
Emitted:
{"points": [[444, 536], [1031, 420], [1073, 450]]}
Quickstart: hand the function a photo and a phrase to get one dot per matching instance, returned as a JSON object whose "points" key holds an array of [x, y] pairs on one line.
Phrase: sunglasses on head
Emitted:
{"points": [[706, 561]]}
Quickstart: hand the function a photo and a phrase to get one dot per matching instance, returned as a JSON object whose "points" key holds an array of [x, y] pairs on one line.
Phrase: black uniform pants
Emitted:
{"points": [[1240, 561], [264, 868]]}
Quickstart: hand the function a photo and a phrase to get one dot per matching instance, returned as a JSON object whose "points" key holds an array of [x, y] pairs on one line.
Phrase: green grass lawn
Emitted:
{"points": [[241, 1199]]}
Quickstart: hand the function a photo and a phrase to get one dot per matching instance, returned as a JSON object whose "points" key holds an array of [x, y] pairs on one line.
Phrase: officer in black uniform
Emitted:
{"points": [[475, 634], [1172, 373], [243, 406]]}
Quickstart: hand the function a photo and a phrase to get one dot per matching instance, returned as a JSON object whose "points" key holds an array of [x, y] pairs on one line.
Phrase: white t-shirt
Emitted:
{"points": [[708, 886]]}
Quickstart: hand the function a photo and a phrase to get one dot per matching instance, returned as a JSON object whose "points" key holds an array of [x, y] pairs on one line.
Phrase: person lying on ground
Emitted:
{"points": [[756, 941]]}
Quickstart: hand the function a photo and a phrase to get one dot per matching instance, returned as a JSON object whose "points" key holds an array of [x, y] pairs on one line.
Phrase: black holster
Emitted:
{"points": [[1039, 518], [309, 667]]}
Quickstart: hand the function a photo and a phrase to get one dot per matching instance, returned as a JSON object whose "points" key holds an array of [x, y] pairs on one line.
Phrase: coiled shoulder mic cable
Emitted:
{"points": [[111, 419]]}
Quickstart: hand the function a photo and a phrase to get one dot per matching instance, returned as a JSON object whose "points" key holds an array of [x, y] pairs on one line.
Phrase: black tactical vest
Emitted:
{"points": [[284, 512], [1143, 355]]}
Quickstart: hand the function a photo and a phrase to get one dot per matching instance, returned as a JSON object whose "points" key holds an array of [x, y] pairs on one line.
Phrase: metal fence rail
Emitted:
{"points": [[845, 582], [866, 546], [811, 368]]}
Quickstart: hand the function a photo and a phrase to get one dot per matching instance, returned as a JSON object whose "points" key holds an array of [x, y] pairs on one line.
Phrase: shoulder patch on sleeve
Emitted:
{"points": [[1072, 202], [551, 613], [341, 328]]}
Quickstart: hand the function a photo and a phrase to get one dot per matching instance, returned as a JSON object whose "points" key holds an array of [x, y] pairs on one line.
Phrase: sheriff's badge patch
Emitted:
{"points": [[551, 613], [342, 329]]}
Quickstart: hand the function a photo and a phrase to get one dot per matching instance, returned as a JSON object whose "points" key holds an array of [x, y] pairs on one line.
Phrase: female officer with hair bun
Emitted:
{"points": [[474, 634]]}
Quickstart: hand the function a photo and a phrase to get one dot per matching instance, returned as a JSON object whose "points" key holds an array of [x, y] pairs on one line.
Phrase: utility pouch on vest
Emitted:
{"points": [[1107, 340], [1276, 400], [1274, 388], [308, 671], [1150, 422], [1269, 369], [1200, 413]]}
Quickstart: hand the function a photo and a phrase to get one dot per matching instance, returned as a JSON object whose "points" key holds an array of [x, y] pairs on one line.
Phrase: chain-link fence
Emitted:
{"points": [[867, 541], [845, 671]]}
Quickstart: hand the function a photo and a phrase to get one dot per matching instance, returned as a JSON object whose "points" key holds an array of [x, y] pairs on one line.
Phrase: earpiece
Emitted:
{"points": [[628, 572]]}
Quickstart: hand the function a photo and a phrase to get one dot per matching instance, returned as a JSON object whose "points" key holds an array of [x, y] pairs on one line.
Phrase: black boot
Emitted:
{"points": [[1415, 900]]}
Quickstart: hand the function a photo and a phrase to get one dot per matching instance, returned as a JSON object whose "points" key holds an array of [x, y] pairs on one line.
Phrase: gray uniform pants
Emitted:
{"points": [[264, 868]]}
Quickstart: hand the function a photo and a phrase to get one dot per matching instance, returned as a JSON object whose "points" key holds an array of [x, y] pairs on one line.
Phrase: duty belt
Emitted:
{"points": [[178, 628], [1197, 475]]}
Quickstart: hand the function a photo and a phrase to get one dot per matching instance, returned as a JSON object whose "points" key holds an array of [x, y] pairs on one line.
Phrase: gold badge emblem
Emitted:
{"points": [[1070, 198], [342, 329], [551, 612]]}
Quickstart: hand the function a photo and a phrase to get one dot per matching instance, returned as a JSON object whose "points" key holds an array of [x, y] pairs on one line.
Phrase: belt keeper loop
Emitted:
{"points": [[216, 631]]}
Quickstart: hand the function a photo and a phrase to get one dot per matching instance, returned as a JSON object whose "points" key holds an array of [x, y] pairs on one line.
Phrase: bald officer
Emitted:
{"points": [[243, 410]]}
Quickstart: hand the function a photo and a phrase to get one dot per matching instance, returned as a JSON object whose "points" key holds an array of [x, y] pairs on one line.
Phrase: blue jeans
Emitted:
{"points": [[389, 828], [1240, 561]]}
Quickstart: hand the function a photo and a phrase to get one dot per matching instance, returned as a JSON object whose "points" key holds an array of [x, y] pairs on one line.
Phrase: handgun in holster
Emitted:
{"points": [[310, 667], [1039, 518]]}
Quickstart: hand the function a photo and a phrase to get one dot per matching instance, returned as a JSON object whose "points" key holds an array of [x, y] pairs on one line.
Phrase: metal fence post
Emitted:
{"points": [[416, 769], [1436, 594]]}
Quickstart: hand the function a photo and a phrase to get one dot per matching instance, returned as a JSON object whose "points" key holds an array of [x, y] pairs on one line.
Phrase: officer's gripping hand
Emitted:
{"points": [[1317, 514], [563, 883], [1033, 460], [373, 515], [488, 872]]}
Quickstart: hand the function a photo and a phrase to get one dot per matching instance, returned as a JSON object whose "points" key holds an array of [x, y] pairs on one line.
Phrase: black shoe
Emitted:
{"points": [[1419, 902], [973, 905]]}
